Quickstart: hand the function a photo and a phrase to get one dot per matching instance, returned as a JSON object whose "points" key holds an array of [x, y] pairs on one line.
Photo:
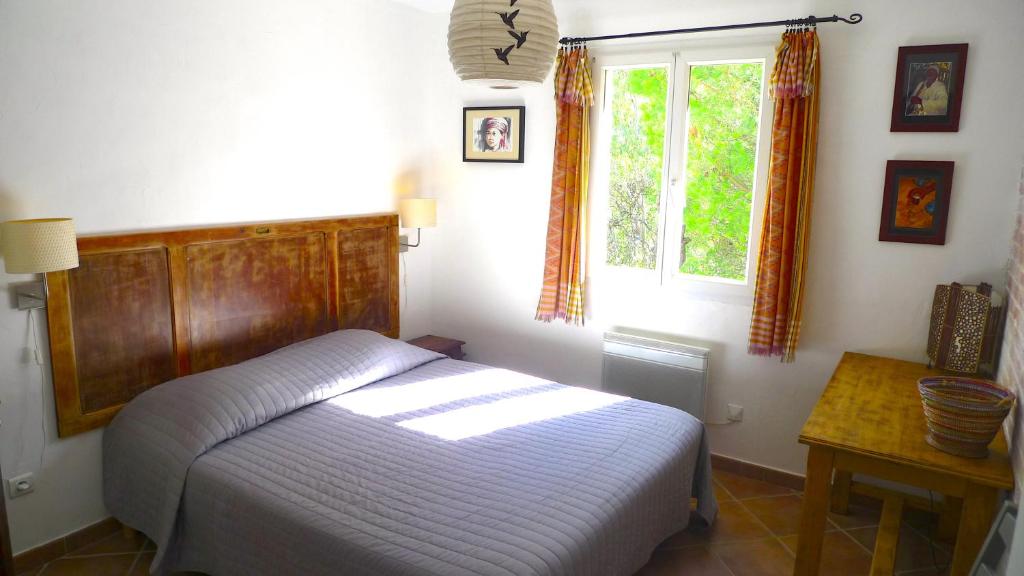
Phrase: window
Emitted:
{"points": [[679, 169]]}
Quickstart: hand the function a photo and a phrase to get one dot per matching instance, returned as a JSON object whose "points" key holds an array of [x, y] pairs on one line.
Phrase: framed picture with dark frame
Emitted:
{"points": [[915, 205], [929, 88], [493, 134]]}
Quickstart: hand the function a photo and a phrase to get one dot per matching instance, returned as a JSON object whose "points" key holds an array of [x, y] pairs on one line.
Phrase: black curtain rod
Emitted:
{"points": [[808, 21]]}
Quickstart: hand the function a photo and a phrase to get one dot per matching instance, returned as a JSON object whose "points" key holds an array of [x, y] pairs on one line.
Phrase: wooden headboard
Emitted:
{"points": [[142, 309]]}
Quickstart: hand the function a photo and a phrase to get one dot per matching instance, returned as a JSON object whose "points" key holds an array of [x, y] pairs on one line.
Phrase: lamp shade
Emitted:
{"points": [[36, 246], [503, 43], [418, 212]]}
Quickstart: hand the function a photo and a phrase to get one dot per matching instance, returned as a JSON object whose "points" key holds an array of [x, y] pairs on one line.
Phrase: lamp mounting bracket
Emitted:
{"points": [[30, 295]]}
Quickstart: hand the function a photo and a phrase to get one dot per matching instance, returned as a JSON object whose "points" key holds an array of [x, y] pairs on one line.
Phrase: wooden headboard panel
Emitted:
{"points": [[142, 309]]}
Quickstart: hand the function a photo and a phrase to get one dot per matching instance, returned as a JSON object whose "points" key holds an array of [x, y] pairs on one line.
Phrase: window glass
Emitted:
{"points": [[638, 101], [723, 114]]}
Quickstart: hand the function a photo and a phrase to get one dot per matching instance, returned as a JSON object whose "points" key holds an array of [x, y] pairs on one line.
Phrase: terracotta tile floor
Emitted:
{"points": [[755, 536]]}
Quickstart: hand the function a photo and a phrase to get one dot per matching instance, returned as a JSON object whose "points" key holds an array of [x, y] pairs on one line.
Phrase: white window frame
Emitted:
{"points": [[601, 169], [666, 276]]}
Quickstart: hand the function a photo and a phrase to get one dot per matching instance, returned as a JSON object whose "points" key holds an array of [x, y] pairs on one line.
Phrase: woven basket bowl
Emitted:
{"points": [[963, 414]]}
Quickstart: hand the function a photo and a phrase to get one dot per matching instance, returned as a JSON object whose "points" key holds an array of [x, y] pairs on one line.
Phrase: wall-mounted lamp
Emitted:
{"points": [[37, 247], [416, 213]]}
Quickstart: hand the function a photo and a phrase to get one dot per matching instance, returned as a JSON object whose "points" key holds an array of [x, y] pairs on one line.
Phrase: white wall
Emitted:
{"points": [[862, 295], [138, 114]]}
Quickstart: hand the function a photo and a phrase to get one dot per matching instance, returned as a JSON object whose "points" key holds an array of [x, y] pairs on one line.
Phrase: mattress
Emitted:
{"points": [[356, 454]]}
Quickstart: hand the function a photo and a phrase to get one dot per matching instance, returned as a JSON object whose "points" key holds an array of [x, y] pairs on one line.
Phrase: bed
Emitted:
{"points": [[263, 419], [353, 453]]}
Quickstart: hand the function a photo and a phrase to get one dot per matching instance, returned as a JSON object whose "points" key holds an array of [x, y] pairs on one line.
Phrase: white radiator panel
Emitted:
{"points": [[658, 371]]}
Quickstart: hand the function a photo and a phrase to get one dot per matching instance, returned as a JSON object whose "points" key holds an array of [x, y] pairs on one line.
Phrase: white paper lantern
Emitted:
{"points": [[503, 43]]}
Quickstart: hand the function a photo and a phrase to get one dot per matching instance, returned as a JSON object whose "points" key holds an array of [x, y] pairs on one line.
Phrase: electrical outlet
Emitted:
{"points": [[735, 413], [21, 485]]}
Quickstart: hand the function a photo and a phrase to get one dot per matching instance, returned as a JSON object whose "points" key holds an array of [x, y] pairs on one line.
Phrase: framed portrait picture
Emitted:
{"points": [[915, 205], [493, 134], [929, 88]]}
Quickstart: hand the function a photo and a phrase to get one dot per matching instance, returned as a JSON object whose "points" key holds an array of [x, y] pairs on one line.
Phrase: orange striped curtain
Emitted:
{"points": [[562, 296], [782, 262]]}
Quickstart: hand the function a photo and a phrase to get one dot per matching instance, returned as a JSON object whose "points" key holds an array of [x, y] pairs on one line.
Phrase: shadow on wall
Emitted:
{"points": [[545, 354], [564, 354], [420, 178], [408, 184], [10, 208]]}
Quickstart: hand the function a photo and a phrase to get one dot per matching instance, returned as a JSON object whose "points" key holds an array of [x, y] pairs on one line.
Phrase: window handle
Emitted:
{"points": [[675, 183], [676, 199]]}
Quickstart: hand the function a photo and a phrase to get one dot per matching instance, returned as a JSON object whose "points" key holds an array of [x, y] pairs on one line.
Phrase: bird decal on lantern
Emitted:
{"points": [[520, 38], [503, 54], [509, 19]]}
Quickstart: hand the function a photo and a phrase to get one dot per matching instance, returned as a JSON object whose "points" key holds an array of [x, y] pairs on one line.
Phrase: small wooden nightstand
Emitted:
{"points": [[447, 346]]}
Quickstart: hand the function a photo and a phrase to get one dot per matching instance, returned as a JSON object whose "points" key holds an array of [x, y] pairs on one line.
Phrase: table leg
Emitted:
{"points": [[841, 492], [815, 508], [883, 560], [975, 520], [950, 518]]}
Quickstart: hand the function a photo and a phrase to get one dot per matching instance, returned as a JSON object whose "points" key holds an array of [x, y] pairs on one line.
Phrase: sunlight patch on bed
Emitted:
{"points": [[483, 419], [391, 400]]}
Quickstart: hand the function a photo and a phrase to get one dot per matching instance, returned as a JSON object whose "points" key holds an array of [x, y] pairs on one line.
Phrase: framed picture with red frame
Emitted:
{"points": [[915, 204], [929, 88]]}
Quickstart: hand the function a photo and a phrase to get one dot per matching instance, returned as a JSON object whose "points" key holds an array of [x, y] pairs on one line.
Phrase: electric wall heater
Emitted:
{"points": [[665, 372]]}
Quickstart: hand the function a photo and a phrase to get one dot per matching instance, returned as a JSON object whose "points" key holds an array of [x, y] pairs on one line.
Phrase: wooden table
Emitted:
{"points": [[869, 421]]}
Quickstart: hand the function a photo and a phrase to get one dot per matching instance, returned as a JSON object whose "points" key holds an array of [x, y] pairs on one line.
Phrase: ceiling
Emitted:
{"points": [[429, 5], [606, 6], [445, 6]]}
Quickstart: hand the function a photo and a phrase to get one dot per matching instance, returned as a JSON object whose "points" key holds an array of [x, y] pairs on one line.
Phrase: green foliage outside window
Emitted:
{"points": [[725, 101], [639, 108]]}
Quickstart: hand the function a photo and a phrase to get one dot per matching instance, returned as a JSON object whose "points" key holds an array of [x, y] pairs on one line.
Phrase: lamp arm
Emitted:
{"points": [[417, 244]]}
